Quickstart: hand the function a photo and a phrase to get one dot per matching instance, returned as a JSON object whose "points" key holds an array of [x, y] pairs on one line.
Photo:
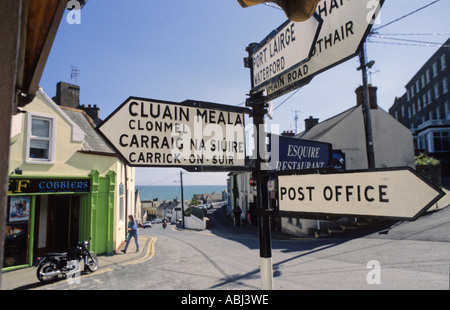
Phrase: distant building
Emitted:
{"points": [[393, 143], [425, 107]]}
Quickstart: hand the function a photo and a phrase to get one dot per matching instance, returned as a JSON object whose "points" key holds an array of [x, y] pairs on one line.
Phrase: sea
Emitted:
{"points": [[171, 192]]}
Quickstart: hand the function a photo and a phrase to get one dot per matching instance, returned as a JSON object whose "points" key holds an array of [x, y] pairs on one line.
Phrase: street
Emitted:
{"points": [[409, 255]]}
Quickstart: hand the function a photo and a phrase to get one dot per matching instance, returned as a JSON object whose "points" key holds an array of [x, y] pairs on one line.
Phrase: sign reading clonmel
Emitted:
{"points": [[193, 135]]}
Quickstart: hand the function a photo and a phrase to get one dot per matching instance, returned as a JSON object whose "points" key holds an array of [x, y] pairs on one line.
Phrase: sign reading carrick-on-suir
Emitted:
{"points": [[195, 135]]}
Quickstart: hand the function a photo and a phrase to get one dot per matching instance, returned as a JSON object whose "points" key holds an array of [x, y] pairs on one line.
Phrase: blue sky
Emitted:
{"points": [[176, 50]]}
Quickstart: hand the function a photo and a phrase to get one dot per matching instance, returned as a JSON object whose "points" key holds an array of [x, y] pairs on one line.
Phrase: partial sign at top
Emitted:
{"points": [[284, 49], [346, 24], [194, 135]]}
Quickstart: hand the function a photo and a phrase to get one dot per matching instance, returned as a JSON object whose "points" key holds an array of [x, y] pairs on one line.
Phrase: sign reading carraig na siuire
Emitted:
{"points": [[192, 134]]}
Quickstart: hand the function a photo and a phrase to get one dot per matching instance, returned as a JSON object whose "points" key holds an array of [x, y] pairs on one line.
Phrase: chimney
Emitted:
{"points": [[92, 111], [289, 133], [372, 96], [67, 95], [310, 123]]}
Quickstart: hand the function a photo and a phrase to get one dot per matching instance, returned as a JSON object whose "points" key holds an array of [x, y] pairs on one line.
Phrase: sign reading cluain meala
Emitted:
{"points": [[193, 135]]}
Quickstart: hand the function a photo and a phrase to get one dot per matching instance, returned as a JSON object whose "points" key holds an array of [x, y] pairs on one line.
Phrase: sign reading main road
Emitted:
{"points": [[195, 135], [286, 48], [346, 24], [399, 194]]}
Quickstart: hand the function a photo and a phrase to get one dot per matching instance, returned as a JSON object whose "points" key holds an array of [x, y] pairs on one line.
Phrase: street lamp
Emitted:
{"points": [[295, 10]]}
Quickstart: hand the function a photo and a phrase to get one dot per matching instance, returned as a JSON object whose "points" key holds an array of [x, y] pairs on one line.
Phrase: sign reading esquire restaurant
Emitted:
{"points": [[192, 134]]}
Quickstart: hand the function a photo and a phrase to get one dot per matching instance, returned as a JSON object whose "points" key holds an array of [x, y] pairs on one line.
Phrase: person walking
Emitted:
{"points": [[132, 232]]}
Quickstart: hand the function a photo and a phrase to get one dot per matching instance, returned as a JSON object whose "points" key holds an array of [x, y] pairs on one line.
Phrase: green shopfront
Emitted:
{"points": [[51, 214]]}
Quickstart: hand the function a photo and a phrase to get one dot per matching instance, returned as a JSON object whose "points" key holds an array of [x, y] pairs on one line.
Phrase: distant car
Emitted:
{"points": [[208, 206], [156, 221], [147, 224]]}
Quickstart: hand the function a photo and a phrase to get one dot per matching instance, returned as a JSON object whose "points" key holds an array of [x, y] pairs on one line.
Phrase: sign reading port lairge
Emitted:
{"points": [[193, 135], [395, 194]]}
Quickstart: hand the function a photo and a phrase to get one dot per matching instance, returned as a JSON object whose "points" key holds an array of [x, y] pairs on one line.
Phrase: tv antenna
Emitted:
{"points": [[75, 74], [296, 119]]}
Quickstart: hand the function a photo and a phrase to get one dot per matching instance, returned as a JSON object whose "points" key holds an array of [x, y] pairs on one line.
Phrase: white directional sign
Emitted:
{"points": [[194, 135], [346, 24], [284, 49], [396, 194]]}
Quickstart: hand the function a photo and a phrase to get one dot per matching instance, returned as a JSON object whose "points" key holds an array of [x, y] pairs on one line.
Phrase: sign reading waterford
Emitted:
{"points": [[191, 134], [285, 48], [346, 24]]}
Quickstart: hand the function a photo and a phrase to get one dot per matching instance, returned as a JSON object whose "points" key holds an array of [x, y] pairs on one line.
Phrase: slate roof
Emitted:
{"points": [[93, 142], [322, 128]]}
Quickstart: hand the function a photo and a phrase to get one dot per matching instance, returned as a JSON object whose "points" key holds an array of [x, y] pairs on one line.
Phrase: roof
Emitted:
{"points": [[322, 128], [93, 142]]}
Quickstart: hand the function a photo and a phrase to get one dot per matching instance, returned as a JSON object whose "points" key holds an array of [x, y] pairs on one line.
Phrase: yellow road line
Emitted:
{"points": [[149, 253]]}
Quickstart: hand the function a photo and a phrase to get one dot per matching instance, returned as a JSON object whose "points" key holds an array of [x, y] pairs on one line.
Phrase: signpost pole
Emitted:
{"points": [[258, 103]]}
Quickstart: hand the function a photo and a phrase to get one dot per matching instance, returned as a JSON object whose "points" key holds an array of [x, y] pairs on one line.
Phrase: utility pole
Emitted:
{"points": [[182, 197], [366, 109]]}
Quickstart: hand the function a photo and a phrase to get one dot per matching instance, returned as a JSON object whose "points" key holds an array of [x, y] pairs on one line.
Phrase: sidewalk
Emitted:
{"points": [[24, 279]]}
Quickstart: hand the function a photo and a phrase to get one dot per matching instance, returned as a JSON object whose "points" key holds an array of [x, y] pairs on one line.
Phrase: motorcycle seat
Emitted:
{"points": [[56, 254]]}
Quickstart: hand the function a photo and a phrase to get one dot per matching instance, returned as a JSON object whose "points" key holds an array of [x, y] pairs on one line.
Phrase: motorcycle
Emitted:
{"points": [[164, 225], [52, 265]]}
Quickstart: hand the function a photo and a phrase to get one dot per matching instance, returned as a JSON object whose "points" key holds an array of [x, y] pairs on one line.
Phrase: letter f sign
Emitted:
{"points": [[74, 16]]}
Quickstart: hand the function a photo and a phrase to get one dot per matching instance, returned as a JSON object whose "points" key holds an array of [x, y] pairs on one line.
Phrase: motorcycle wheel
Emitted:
{"points": [[47, 267], [92, 262]]}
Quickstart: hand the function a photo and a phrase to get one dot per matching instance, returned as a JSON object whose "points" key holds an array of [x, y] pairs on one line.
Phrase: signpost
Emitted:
{"points": [[345, 27], [194, 135], [397, 194]]}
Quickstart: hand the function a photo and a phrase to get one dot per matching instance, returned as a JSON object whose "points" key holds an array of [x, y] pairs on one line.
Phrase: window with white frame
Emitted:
{"points": [[40, 139], [447, 110], [443, 62], [436, 91], [445, 85]]}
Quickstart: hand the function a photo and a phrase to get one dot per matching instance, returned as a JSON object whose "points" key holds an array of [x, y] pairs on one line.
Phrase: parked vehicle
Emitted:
{"points": [[52, 265], [147, 224]]}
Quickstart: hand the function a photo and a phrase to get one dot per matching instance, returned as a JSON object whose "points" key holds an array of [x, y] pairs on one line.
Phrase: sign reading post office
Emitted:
{"points": [[194, 135], [399, 194]]}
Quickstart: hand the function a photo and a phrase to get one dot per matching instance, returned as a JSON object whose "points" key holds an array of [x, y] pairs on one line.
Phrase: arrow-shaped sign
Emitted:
{"points": [[194, 135], [399, 194], [345, 27]]}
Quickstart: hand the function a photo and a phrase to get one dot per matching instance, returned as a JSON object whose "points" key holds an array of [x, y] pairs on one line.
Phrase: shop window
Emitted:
{"points": [[16, 248], [40, 140]]}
